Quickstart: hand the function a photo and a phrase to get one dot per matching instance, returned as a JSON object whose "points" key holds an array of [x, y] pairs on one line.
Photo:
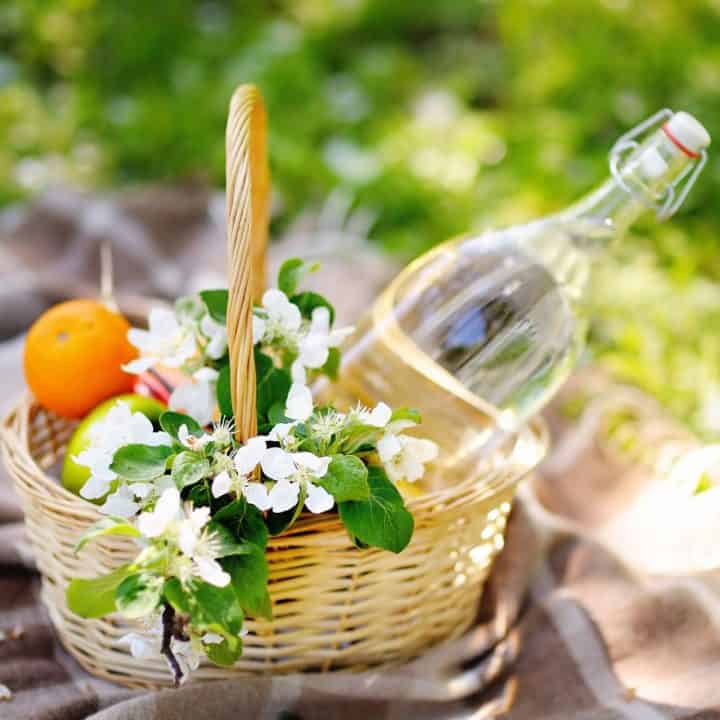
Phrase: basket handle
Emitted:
{"points": [[248, 193]]}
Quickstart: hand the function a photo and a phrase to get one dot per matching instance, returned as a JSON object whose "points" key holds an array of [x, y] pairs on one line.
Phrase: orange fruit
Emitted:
{"points": [[73, 357]]}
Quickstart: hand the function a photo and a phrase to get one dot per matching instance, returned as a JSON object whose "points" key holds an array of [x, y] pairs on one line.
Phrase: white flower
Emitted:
{"points": [[216, 335], [221, 436], [697, 470], [184, 527], [190, 441], [299, 404], [118, 428], [148, 645], [198, 398], [277, 320], [166, 342], [142, 646], [121, 503], [326, 424], [378, 417], [246, 459], [314, 346], [291, 471], [404, 457]]}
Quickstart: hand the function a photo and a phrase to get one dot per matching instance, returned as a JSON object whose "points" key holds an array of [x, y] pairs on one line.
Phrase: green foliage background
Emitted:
{"points": [[437, 115]]}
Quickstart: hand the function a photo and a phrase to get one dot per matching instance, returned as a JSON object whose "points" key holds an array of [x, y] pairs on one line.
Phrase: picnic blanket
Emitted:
{"points": [[571, 625]]}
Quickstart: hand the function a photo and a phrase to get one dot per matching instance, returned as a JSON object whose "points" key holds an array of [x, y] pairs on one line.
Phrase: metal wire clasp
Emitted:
{"points": [[674, 197]]}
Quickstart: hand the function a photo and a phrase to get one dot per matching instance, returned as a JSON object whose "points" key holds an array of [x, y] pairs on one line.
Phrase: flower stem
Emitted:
{"points": [[168, 624]]}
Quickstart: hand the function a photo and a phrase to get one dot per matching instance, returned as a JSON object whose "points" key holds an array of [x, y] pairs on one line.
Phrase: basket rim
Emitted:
{"points": [[529, 446]]}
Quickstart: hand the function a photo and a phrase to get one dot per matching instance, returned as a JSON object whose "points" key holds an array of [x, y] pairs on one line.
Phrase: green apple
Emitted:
{"points": [[74, 476]]}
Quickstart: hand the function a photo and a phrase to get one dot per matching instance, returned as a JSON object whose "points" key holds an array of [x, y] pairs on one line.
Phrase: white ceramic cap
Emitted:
{"points": [[687, 133]]}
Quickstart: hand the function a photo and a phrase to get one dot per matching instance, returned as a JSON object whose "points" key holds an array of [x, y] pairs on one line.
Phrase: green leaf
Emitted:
{"points": [[245, 521], [109, 525], [253, 527], [292, 272], [346, 479], [171, 422], [176, 596], [189, 468], [199, 494], [216, 303], [263, 364], [95, 598], [232, 513], [276, 414], [225, 653], [249, 575], [332, 364], [382, 521], [308, 301], [141, 462], [406, 414], [272, 389], [138, 595], [223, 392], [224, 542], [215, 609]]}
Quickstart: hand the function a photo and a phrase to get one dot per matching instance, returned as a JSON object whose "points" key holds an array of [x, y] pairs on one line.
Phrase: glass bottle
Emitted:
{"points": [[479, 333]]}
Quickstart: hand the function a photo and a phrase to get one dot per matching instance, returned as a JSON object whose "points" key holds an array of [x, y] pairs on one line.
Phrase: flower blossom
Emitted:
{"points": [[293, 472], [697, 470], [314, 346], [147, 645], [184, 527], [299, 403], [216, 335], [118, 428], [221, 436], [198, 398], [246, 459], [165, 342], [404, 457], [278, 320]]}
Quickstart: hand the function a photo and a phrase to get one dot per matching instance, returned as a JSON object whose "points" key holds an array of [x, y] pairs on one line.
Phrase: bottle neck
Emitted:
{"points": [[638, 185]]}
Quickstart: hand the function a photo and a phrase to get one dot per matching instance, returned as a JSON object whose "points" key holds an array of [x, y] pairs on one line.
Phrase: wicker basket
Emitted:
{"points": [[334, 606]]}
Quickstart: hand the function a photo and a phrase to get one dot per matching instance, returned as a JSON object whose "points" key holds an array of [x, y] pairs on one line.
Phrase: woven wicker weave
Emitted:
{"points": [[334, 606]]}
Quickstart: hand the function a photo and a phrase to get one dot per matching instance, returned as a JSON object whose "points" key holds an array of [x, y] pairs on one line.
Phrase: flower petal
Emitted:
{"points": [[154, 523], [318, 466], [258, 329], [140, 365], [187, 538], [277, 464], [121, 503], [221, 484], [299, 404], [95, 487], [421, 449], [141, 646], [318, 500], [388, 447], [256, 494], [211, 571], [297, 372], [281, 431], [314, 350], [162, 321], [379, 416], [249, 455], [320, 322], [284, 496]]}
